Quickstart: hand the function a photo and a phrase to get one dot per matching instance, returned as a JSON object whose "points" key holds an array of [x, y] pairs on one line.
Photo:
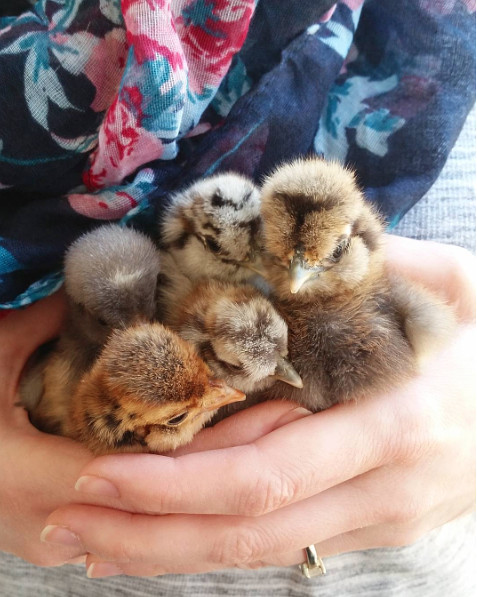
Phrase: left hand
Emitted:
{"points": [[260, 486]]}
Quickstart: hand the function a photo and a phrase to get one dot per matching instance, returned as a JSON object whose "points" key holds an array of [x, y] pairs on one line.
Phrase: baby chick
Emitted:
{"points": [[238, 333], [349, 328], [212, 229], [148, 391], [111, 277]]}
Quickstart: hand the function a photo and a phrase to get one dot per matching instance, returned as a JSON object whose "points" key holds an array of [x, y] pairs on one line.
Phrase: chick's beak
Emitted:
{"points": [[219, 394], [287, 373], [300, 274]]}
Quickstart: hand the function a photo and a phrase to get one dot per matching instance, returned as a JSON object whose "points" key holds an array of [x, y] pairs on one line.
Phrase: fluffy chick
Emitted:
{"points": [[351, 332], [111, 277], [239, 334], [148, 391], [212, 229]]}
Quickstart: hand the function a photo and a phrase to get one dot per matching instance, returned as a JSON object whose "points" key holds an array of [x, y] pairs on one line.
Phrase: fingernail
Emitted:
{"points": [[102, 569], [60, 536], [96, 486], [292, 415], [302, 411]]}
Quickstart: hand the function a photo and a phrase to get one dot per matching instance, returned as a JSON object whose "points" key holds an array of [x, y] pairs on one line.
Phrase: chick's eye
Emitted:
{"points": [[212, 244], [177, 420], [338, 252], [230, 367], [102, 321], [340, 249]]}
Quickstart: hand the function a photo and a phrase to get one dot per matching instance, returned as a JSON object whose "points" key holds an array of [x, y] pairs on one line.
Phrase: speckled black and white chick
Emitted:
{"points": [[238, 333], [352, 329], [111, 277], [148, 391], [212, 229]]}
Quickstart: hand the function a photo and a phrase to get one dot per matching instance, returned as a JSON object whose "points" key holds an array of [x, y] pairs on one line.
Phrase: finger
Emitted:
{"points": [[447, 270], [397, 534], [275, 470], [245, 426], [372, 537], [192, 543]]}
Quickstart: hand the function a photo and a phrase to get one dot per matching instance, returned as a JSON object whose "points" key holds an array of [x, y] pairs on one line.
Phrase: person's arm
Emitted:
{"points": [[260, 486]]}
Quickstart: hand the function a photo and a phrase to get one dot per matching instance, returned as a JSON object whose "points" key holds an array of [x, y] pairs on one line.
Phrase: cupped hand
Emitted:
{"points": [[38, 470], [260, 486]]}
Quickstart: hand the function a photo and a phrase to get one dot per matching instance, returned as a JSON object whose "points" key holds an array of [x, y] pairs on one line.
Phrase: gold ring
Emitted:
{"points": [[314, 565]]}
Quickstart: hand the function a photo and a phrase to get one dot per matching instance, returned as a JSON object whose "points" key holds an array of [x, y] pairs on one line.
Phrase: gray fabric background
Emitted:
{"points": [[442, 563]]}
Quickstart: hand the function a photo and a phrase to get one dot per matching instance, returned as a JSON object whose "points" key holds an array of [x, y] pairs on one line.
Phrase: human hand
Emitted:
{"points": [[38, 470], [254, 492]]}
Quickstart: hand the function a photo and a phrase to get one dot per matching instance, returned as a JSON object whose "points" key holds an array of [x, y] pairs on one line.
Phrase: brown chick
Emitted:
{"points": [[239, 334], [352, 331], [147, 392]]}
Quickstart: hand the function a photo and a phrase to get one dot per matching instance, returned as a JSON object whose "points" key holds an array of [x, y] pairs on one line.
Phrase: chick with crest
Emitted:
{"points": [[212, 229], [239, 334], [111, 277], [352, 329], [148, 391]]}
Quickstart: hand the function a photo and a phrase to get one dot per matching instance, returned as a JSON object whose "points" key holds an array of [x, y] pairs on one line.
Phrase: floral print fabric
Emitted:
{"points": [[107, 106]]}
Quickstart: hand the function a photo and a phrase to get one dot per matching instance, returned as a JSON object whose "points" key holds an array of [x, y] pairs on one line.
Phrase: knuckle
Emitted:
{"points": [[402, 537], [123, 548], [405, 507], [122, 551], [418, 431], [272, 491], [240, 547]]}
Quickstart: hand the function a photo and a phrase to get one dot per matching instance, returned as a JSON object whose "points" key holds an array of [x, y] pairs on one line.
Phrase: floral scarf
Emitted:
{"points": [[108, 106]]}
